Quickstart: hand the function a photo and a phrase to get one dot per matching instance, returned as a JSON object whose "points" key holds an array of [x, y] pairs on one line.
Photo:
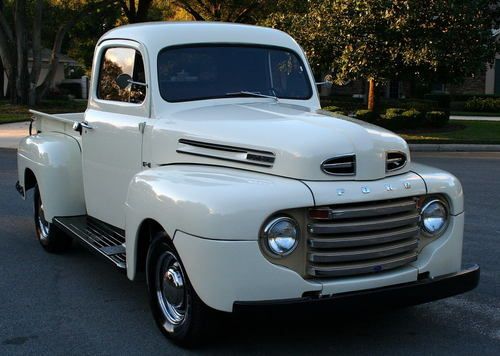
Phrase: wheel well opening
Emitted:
{"points": [[29, 179], [147, 230]]}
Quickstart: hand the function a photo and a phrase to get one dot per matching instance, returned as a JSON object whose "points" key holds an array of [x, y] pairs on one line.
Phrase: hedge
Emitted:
{"points": [[477, 104], [437, 119], [367, 115]]}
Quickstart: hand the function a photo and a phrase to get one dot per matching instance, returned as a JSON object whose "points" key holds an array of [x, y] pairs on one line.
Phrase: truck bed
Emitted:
{"points": [[62, 123]]}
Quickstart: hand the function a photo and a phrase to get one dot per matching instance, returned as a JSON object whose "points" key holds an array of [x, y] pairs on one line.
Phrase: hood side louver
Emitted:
{"points": [[340, 166], [227, 153], [395, 161]]}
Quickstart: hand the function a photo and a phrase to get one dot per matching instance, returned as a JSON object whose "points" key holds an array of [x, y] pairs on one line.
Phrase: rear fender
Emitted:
{"points": [[55, 160]]}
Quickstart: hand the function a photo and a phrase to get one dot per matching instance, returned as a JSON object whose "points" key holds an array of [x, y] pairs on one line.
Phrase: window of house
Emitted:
{"points": [[116, 61]]}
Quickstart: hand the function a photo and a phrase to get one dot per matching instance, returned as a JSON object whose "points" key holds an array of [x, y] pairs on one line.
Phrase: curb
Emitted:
{"points": [[429, 147]]}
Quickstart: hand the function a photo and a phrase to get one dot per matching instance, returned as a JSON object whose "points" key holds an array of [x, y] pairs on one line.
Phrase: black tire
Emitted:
{"points": [[178, 311], [50, 237]]}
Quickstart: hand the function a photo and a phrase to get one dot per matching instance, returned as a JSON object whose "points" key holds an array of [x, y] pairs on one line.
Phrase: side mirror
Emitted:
{"points": [[324, 84], [327, 81], [123, 80]]}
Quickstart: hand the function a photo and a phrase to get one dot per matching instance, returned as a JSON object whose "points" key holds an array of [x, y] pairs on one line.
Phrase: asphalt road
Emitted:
{"points": [[77, 304]]}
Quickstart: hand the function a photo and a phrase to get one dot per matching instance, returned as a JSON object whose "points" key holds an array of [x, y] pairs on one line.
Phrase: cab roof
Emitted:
{"points": [[158, 35]]}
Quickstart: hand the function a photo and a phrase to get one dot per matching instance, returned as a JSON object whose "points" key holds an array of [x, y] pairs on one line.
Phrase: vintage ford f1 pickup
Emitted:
{"points": [[205, 161]]}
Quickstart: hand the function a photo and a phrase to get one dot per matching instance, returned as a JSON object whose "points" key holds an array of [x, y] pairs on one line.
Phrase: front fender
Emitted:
{"points": [[438, 181], [56, 162], [214, 202]]}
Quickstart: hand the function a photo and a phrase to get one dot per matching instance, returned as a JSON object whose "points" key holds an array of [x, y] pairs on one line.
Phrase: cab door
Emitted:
{"points": [[112, 133]]}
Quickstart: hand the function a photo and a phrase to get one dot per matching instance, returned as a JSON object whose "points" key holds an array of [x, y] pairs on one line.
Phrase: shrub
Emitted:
{"points": [[332, 108], [412, 114], [367, 115], [412, 118], [482, 105], [421, 105], [340, 112], [394, 113], [437, 118]]}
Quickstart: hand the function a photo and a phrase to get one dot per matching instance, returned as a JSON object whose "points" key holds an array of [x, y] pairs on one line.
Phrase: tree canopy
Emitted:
{"points": [[375, 40], [379, 40]]}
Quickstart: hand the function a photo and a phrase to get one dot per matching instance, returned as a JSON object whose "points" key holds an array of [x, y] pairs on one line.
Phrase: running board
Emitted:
{"points": [[106, 240]]}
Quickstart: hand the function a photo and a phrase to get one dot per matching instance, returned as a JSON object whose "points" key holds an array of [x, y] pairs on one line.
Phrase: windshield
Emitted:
{"points": [[221, 71]]}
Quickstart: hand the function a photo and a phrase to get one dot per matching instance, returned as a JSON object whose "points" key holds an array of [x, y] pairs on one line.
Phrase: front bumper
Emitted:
{"points": [[422, 291]]}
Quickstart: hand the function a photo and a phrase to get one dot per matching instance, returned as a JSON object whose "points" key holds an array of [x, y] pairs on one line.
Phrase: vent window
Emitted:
{"points": [[340, 166]]}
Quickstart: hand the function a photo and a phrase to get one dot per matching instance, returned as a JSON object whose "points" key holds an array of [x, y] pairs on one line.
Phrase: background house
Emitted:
{"points": [[64, 61]]}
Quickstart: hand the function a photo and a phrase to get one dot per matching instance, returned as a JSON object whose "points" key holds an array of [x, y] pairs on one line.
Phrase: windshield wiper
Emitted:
{"points": [[253, 93]]}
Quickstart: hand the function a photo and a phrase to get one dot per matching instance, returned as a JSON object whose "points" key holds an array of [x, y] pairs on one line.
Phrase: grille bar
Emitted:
{"points": [[360, 238], [343, 241], [365, 225], [363, 254], [344, 270], [374, 210]]}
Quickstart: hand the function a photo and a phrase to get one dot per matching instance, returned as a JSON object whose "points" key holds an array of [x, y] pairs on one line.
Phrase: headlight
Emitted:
{"points": [[434, 217], [281, 236]]}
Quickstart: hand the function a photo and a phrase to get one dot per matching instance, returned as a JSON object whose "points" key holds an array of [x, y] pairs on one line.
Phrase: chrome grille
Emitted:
{"points": [[395, 161], [363, 238], [340, 166]]}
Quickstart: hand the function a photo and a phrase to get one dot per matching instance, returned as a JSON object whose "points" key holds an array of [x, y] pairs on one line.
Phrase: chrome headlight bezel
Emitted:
{"points": [[427, 204], [271, 238]]}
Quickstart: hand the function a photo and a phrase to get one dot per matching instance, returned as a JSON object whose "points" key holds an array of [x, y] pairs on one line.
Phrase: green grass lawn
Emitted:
{"points": [[15, 113], [468, 113], [478, 132]]}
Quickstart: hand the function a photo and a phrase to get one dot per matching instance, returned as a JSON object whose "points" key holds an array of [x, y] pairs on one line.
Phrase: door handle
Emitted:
{"points": [[86, 125], [78, 126]]}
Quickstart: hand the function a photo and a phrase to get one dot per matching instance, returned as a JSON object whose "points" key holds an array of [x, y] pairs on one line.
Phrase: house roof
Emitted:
{"points": [[47, 53]]}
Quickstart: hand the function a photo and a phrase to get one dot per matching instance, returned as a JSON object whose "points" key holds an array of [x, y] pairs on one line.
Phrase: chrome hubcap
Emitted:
{"points": [[43, 225], [170, 289]]}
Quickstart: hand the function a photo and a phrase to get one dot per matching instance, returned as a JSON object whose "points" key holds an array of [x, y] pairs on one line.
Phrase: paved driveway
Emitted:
{"points": [[76, 304]]}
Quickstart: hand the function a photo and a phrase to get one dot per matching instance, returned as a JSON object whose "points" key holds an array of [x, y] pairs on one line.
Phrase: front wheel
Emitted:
{"points": [[50, 237], [178, 311]]}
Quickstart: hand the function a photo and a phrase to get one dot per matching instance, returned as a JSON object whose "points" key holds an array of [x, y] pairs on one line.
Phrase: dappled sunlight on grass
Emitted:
{"points": [[16, 113], [486, 132]]}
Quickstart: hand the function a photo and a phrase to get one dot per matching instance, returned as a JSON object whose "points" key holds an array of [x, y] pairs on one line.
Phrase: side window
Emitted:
{"points": [[118, 61]]}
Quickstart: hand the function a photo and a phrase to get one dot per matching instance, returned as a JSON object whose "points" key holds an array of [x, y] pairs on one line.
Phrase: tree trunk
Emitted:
{"points": [[36, 66], [2, 83], [372, 95], [22, 75], [43, 88], [8, 55]]}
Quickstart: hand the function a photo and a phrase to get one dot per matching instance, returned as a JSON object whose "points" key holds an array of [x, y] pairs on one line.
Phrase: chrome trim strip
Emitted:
{"points": [[365, 239], [363, 254], [366, 225], [372, 210], [324, 165], [361, 268], [233, 153], [392, 160]]}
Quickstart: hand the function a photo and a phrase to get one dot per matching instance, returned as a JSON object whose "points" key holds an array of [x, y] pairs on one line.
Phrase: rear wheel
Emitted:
{"points": [[178, 311], [50, 237]]}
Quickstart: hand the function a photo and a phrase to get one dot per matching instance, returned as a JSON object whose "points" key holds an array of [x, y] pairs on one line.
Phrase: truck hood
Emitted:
{"points": [[274, 138]]}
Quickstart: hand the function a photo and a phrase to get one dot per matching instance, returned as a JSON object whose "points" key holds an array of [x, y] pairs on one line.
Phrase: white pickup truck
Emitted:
{"points": [[204, 161]]}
